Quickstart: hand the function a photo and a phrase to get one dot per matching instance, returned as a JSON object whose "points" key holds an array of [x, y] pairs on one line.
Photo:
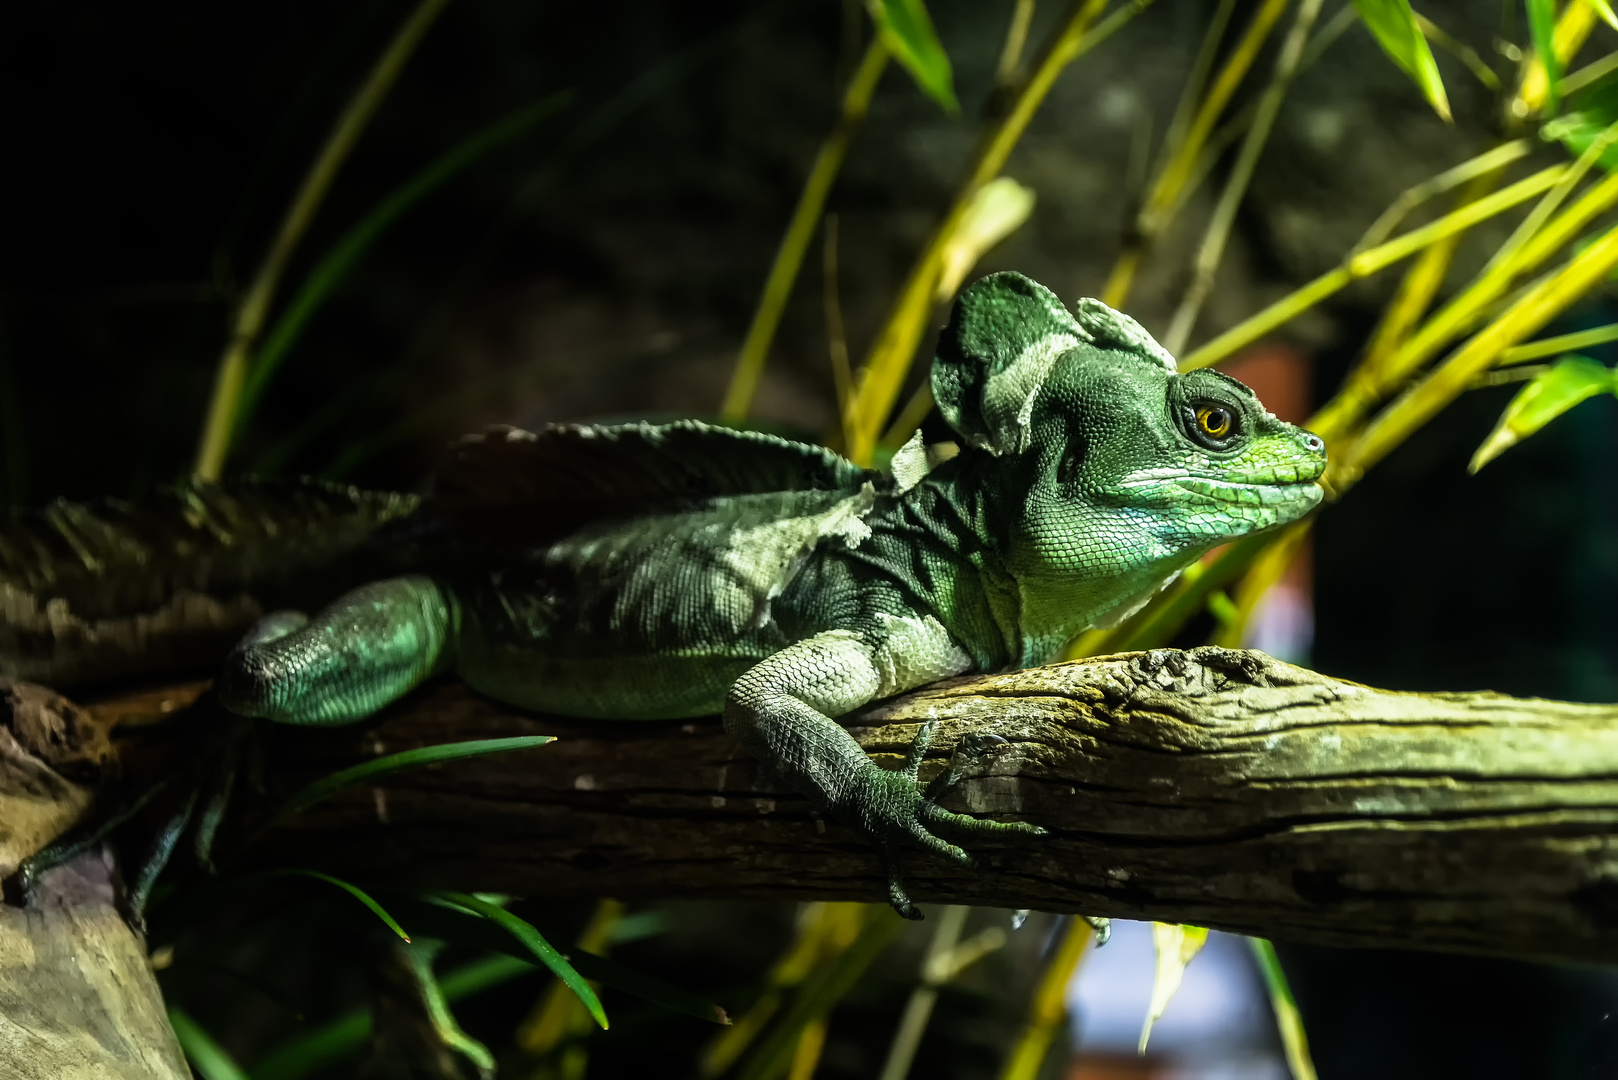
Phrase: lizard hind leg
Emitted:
{"points": [[368, 648]]}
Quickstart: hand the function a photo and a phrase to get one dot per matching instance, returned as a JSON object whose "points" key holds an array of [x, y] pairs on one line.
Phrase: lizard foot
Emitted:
{"points": [[892, 806]]}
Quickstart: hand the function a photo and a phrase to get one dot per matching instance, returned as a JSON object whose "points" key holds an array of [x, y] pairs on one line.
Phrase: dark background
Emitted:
{"points": [[605, 265]]}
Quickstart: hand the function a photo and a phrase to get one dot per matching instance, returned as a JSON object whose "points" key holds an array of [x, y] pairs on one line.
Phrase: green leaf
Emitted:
{"points": [[1287, 1019], [336, 264], [326, 787], [461, 927], [908, 32], [353, 890], [1394, 26], [532, 940], [1604, 9], [334, 1041], [1542, 28], [201, 1050], [1177, 946], [1569, 381]]}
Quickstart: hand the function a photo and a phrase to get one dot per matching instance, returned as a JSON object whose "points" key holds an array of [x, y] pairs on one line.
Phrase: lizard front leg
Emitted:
{"points": [[781, 710]]}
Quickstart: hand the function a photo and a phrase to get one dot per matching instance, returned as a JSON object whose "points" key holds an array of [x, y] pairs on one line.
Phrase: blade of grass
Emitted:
{"points": [[557, 1015], [202, 1050], [883, 374], [789, 257], [1181, 162], [1395, 28], [823, 928], [1287, 1019], [1212, 249], [1541, 28], [533, 941], [353, 890], [336, 1040], [919, 1008], [255, 304], [822, 990], [328, 786], [334, 267], [1049, 1004]]}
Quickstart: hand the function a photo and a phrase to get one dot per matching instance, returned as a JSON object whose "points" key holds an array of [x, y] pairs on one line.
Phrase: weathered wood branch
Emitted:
{"points": [[1218, 788]]}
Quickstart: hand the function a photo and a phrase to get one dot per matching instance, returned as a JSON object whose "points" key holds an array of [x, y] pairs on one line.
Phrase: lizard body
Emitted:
{"points": [[1090, 474], [654, 572]]}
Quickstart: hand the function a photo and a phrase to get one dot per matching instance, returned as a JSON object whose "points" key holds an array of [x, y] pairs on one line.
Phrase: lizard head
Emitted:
{"points": [[1108, 471]]}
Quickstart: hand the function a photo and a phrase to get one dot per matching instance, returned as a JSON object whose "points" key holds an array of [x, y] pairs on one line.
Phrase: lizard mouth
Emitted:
{"points": [[1281, 485]]}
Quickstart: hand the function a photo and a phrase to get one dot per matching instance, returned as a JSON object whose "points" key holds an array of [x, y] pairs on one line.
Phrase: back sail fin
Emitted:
{"points": [[113, 589]]}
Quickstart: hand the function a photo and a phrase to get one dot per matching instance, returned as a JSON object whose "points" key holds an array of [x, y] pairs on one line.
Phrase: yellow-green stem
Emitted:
{"points": [[1562, 343], [1538, 307], [789, 258], [1048, 1007], [255, 304], [1212, 248], [883, 375], [1165, 192], [1366, 263]]}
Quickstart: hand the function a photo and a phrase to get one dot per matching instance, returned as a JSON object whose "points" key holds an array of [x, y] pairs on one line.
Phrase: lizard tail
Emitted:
{"points": [[91, 592]]}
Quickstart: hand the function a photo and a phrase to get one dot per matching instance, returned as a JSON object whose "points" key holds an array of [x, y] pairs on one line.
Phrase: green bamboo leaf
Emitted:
{"points": [[1542, 29], [908, 32], [209, 1058], [1569, 381], [1394, 26], [328, 786], [1604, 9], [646, 987], [532, 940], [1177, 946], [1287, 1018], [336, 264], [353, 890]]}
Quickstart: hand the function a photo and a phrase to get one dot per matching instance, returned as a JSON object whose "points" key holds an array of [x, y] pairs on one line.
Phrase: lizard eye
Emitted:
{"points": [[1214, 421], [1213, 425]]}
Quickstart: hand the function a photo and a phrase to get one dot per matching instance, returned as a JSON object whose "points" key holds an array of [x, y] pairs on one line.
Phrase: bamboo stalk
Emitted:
{"points": [[255, 304], [1366, 263], [789, 257], [1177, 170], [883, 374], [1538, 307], [1212, 249]]}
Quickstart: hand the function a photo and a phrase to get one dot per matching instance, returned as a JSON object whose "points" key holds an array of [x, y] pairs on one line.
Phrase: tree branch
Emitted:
{"points": [[1211, 787]]}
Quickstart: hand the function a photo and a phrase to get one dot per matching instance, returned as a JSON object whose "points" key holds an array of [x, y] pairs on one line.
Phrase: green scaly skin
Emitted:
{"points": [[1083, 485]]}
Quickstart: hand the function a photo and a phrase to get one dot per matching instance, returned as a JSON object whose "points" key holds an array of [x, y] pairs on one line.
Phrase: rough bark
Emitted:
{"points": [[1211, 787], [77, 997]]}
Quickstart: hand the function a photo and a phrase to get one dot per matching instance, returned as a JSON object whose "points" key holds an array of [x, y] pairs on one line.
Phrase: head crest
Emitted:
{"points": [[1005, 334]]}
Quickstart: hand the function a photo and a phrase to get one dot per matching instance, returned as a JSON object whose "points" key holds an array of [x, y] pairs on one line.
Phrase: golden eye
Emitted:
{"points": [[1214, 421]]}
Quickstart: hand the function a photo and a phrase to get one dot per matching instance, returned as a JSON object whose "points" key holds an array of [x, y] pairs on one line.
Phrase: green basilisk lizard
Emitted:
{"points": [[652, 572]]}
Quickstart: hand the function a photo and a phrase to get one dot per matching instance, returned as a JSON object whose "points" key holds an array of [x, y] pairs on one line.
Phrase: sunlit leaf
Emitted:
{"points": [[1176, 947], [1604, 9], [353, 890], [532, 940], [997, 210], [206, 1055], [328, 786], [908, 32], [1394, 26], [1569, 381], [1542, 29], [1287, 1020]]}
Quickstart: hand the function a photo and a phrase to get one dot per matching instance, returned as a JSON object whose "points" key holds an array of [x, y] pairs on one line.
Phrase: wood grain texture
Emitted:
{"points": [[77, 998], [1211, 787]]}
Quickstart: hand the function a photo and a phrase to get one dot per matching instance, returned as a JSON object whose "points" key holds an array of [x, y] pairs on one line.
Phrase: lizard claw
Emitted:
{"points": [[892, 806]]}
